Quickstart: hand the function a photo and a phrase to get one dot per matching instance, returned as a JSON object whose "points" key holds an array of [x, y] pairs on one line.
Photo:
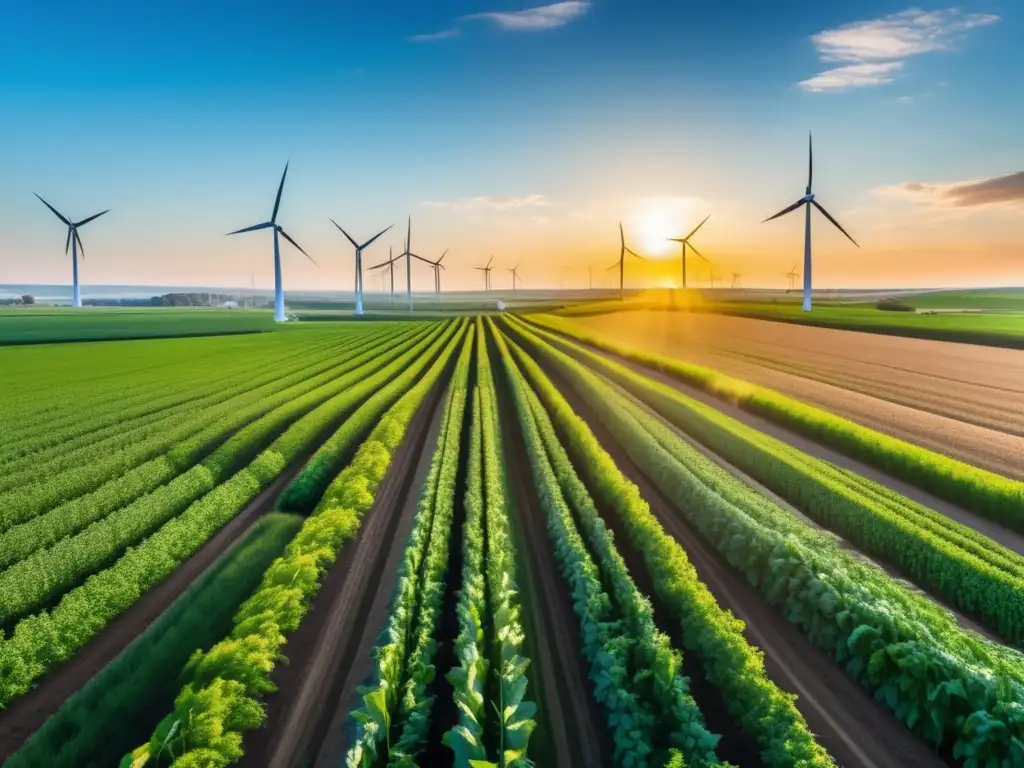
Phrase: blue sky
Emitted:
{"points": [[517, 129]]}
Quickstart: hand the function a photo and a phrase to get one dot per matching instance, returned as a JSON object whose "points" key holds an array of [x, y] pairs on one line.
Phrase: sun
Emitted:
{"points": [[659, 218]]}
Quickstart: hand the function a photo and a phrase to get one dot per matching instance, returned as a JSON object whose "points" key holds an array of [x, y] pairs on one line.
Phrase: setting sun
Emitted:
{"points": [[659, 218]]}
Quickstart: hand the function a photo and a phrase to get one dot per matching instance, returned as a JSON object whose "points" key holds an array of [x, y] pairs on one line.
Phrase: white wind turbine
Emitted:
{"points": [[807, 201], [75, 241], [359, 261], [272, 224]]}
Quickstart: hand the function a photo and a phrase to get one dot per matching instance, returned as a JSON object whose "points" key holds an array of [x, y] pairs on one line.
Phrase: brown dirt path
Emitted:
{"points": [[961, 400], [329, 652], [847, 721]]}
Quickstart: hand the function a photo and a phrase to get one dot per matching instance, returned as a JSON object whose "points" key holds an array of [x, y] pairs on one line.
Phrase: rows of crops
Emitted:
{"points": [[235, 489]]}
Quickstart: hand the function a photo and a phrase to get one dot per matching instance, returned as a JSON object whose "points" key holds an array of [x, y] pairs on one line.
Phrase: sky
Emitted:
{"points": [[523, 131]]}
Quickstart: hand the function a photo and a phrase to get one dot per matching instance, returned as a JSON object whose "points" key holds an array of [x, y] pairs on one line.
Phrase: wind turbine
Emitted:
{"points": [[791, 277], [515, 275], [390, 264], [74, 240], [272, 224], [621, 263], [486, 269], [807, 201], [359, 261], [735, 280], [407, 253], [437, 266], [685, 241]]}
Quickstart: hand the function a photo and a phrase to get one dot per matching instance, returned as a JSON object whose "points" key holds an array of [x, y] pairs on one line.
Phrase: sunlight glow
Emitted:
{"points": [[659, 218]]}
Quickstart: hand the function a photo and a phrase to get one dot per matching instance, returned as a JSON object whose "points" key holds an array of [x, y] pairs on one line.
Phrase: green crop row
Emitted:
{"points": [[991, 495], [955, 689], [47, 529], [115, 433], [114, 710], [636, 674], [221, 698], [396, 702], [48, 573], [972, 572], [106, 422], [42, 641], [19, 505], [494, 626]]}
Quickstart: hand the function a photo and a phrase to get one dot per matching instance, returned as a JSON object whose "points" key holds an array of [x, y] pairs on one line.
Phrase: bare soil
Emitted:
{"points": [[847, 721], [329, 652], [961, 400]]}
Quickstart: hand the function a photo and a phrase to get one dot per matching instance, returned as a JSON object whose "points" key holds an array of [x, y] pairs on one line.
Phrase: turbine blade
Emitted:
{"points": [[838, 225], [370, 241], [694, 232], [440, 265], [676, 239], [280, 189], [443, 255], [94, 216], [810, 162], [346, 234], [56, 213], [700, 254], [642, 258], [613, 266], [81, 246], [253, 228], [784, 211], [425, 261], [489, 262], [286, 237], [67, 243]]}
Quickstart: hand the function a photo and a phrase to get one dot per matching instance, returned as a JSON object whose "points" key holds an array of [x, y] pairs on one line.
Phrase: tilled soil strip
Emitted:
{"points": [[347, 614], [847, 721]]}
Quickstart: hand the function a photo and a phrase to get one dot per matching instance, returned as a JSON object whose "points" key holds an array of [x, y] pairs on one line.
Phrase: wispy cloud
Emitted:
{"points": [[999, 190], [444, 34], [852, 76], [534, 19], [872, 51], [490, 202]]}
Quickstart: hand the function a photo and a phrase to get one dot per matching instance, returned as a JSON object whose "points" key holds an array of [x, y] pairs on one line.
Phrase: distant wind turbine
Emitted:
{"points": [[735, 280], [515, 275], [685, 241], [791, 277], [437, 266], [359, 261], [272, 224], [621, 263], [390, 264], [807, 201], [407, 253], [486, 269], [74, 240]]}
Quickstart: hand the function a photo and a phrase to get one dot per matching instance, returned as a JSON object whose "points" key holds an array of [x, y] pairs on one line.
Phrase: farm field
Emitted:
{"points": [[28, 325], [484, 541], [962, 400]]}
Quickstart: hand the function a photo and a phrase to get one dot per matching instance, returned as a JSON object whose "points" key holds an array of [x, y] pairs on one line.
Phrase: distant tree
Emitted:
{"points": [[892, 305], [27, 299]]}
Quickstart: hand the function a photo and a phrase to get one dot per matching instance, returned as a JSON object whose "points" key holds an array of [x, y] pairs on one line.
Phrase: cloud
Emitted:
{"points": [[535, 19], [999, 190], [888, 42], [852, 76], [444, 34], [490, 202]]}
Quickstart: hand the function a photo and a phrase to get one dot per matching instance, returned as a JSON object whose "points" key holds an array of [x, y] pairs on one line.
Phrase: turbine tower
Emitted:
{"points": [[359, 262], [685, 241], [807, 201], [621, 263], [74, 240], [272, 224], [486, 269], [407, 253], [515, 275]]}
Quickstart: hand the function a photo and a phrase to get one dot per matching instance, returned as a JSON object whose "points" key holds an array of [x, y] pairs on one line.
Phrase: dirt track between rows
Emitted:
{"points": [[847, 721], [961, 400]]}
